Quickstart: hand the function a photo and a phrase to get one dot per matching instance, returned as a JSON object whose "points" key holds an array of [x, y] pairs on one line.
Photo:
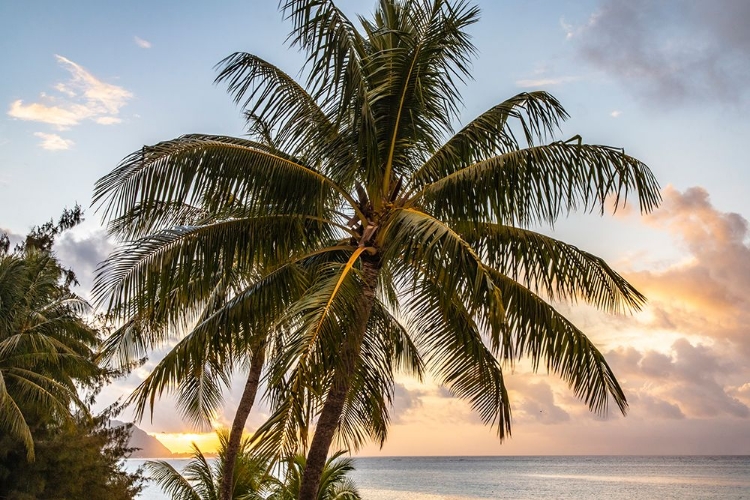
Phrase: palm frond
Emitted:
{"points": [[557, 269], [455, 353], [12, 420], [273, 98], [418, 49], [537, 113], [212, 172], [544, 335], [171, 481], [539, 184]]}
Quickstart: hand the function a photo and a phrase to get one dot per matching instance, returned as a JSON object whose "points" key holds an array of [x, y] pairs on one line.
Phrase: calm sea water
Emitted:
{"points": [[580, 478]]}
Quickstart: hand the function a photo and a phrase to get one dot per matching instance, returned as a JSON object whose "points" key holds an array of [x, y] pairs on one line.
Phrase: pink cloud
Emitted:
{"points": [[707, 293]]}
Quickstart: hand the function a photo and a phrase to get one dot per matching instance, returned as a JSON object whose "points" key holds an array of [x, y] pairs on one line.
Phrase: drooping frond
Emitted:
{"points": [[213, 172], [386, 348], [455, 352], [202, 362], [12, 420], [552, 267], [541, 183], [538, 114], [417, 240], [545, 336]]}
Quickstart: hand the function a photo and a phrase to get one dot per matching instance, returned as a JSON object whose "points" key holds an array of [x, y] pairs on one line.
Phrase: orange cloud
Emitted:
{"points": [[82, 97], [707, 293]]}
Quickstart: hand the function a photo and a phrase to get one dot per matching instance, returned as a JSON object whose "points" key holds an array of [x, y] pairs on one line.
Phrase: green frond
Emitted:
{"points": [[154, 215], [334, 483], [537, 113], [145, 272], [455, 352], [283, 106], [213, 172], [46, 348], [539, 332], [171, 481], [417, 50], [420, 242], [552, 267], [12, 420], [334, 47], [541, 183]]}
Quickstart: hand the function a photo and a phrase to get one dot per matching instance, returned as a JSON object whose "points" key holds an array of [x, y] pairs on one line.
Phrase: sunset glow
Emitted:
{"points": [[87, 91]]}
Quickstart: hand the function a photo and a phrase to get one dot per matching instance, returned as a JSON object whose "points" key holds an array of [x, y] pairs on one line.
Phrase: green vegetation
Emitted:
{"points": [[50, 445], [334, 483], [201, 479], [81, 458], [356, 234]]}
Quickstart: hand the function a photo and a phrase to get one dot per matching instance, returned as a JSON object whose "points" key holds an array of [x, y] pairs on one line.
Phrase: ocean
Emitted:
{"points": [[550, 477]]}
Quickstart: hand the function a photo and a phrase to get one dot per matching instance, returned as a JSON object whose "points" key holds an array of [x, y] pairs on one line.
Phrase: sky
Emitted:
{"points": [[87, 83]]}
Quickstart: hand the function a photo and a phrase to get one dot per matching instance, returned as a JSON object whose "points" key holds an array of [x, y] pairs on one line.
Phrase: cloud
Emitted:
{"points": [[690, 381], [615, 114], [144, 44], [535, 401], [404, 401], [568, 27], [545, 82], [82, 97], [706, 293], [53, 142], [82, 253], [671, 52]]}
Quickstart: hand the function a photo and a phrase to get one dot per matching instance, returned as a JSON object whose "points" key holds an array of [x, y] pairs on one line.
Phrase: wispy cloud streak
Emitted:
{"points": [[82, 97], [144, 44], [53, 142]]}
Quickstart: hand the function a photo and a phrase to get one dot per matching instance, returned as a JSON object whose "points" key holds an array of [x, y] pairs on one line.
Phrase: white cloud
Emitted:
{"points": [[569, 28], [108, 120], [144, 44], [82, 97], [53, 142], [615, 113], [545, 82]]}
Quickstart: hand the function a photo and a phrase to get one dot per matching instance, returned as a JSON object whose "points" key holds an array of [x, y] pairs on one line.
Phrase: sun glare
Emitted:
{"points": [[177, 442]]}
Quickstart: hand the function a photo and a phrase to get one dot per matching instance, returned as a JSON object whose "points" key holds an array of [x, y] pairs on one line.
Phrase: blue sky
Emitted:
{"points": [[87, 83]]}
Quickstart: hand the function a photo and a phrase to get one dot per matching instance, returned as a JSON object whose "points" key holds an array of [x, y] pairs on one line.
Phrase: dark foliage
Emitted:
{"points": [[81, 459]]}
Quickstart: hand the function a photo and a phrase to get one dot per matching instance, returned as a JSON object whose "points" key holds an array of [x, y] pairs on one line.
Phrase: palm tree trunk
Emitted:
{"points": [[342, 378], [240, 418]]}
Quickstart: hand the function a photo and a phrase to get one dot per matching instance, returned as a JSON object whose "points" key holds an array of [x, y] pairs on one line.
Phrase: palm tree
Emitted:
{"points": [[334, 483], [198, 367], [45, 346], [368, 234], [201, 478]]}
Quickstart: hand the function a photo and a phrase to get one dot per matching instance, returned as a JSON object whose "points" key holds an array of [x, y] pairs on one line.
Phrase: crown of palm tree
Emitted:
{"points": [[358, 234], [45, 346]]}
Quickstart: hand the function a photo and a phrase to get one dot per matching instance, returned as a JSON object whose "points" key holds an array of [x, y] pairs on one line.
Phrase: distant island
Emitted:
{"points": [[147, 446]]}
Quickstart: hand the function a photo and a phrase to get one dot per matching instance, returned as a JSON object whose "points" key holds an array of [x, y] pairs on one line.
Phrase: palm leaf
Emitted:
{"points": [[539, 184]]}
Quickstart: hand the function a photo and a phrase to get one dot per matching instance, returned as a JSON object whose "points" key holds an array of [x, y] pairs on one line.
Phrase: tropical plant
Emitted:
{"points": [[81, 457], [201, 477], [334, 483], [46, 346], [202, 363], [367, 235]]}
